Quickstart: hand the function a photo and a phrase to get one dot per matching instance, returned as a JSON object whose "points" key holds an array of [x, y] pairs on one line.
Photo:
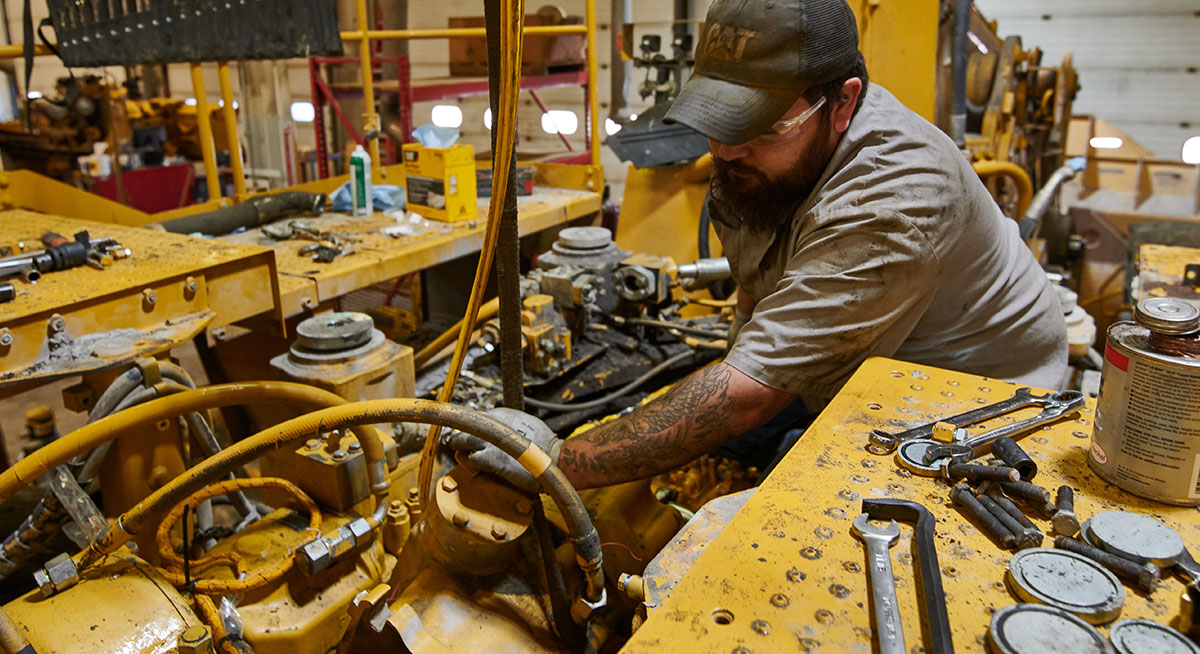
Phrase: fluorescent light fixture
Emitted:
{"points": [[611, 126], [1191, 150], [978, 44], [1106, 142], [487, 118], [191, 102], [558, 121], [303, 112], [446, 115], [33, 95]]}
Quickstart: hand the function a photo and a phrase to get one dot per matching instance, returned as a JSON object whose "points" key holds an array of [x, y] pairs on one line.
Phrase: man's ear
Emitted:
{"points": [[847, 101]]}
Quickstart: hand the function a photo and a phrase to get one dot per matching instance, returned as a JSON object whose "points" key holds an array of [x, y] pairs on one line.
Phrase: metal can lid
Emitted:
{"points": [[1147, 637], [1035, 628], [335, 331], [1167, 315], [1067, 581]]}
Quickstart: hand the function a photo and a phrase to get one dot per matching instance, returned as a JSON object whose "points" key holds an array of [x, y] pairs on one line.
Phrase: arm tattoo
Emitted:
{"points": [[693, 418]]}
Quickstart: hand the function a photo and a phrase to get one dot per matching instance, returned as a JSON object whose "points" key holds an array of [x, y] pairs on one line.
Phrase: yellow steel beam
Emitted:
{"points": [[370, 117], [207, 148], [25, 189], [456, 32], [593, 93], [899, 40], [231, 131]]}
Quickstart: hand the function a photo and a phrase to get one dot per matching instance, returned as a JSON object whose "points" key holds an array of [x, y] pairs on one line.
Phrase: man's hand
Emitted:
{"points": [[487, 458]]}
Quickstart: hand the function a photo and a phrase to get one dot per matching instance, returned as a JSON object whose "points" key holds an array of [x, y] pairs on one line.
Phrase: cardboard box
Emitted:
{"points": [[441, 181], [541, 55]]}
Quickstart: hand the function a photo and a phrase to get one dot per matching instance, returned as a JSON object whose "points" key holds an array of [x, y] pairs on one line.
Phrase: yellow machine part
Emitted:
{"points": [[899, 41], [787, 575]]}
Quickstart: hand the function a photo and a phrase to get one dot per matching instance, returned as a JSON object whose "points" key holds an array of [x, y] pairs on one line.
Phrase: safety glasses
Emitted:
{"points": [[785, 129]]}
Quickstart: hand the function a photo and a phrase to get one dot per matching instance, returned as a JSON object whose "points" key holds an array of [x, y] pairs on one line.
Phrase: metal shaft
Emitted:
{"points": [[1023, 539], [962, 496], [1026, 490], [1064, 520], [1144, 576], [977, 472], [1030, 533]]}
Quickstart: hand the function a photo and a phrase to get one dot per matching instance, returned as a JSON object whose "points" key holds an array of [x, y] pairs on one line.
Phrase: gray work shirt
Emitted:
{"points": [[899, 252]]}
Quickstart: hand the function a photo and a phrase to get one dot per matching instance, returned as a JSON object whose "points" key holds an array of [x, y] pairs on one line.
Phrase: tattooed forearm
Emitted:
{"points": [[694, 417]]}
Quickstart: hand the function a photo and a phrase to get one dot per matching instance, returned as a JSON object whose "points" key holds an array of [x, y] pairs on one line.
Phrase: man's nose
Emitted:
{"points": [[726, 151]]}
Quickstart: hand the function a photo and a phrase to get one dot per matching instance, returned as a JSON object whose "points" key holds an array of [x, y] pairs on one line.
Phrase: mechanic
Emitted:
{"points": [[854, 227]]}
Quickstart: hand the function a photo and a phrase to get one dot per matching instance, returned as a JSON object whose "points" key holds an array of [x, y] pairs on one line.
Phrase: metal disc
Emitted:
{"points": [[1149, 637], [1067, 581], [911, 457], [1136, 536], [1167, 315], [334, 331], [585, 238], [1039, 629]]}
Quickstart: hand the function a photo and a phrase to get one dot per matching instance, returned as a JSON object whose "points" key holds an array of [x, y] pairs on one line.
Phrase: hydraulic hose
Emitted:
{"points": [[958, 75], [1012, 171], [88, 437], [486, 312], [1032, 218], [512, 20], [682, 329], [584, 537], [12, 641], [256, 211]]}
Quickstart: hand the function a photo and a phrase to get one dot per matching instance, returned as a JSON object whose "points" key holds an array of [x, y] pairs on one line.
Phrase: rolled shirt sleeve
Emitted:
{"points": [[853, 288]]}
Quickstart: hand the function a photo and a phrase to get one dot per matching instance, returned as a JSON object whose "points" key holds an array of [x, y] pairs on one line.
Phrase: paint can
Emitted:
{"points": [[1146, 433]]}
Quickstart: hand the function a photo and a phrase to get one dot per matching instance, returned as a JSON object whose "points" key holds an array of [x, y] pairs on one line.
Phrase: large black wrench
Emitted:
{"points": [[935, 620]]}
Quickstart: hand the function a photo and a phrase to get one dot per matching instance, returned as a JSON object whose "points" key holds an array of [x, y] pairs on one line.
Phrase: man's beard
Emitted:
{"points": [[766, 202]]}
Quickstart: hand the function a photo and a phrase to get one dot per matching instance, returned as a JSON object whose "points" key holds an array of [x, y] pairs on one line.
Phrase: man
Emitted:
{"points": [[855, 229]]}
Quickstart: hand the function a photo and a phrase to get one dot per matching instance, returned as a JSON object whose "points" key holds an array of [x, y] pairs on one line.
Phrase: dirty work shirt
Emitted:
{"points": [[899, 252]]}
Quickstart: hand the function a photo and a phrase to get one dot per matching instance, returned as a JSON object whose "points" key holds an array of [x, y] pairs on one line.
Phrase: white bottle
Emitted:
{"points": [[360, 182]]}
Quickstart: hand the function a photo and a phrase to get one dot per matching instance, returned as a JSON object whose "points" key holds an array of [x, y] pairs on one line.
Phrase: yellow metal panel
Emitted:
{"points": [[231, 281], [899, 40], [25, 189], [788, 559]]}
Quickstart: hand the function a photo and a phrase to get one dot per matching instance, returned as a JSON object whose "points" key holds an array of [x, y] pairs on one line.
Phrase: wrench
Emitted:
{"points": [[1061, 404], [888, 628], [1021, 399]]}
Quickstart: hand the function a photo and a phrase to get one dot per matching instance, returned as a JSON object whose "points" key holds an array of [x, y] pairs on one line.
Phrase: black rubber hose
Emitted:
{"points": [[251, 213], [718, 290], [958, 67]]}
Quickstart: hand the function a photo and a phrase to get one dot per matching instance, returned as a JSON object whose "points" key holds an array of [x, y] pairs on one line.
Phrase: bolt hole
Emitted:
{"points": [[722, 616], [874, 406], [163, 425]]}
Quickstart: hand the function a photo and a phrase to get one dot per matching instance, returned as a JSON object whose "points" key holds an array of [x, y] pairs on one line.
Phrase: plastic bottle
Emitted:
{"points": [[360, 182]]}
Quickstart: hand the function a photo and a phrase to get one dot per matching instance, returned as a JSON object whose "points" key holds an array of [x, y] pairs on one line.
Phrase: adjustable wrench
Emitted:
{"points": [[1022, 398], [888, 628]]}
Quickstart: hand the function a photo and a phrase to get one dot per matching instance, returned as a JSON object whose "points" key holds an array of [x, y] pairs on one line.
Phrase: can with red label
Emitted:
{"points": [[1146, 436]]}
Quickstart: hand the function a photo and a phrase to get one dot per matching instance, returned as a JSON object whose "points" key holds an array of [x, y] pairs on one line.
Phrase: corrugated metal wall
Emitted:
{"points": [[1138, 61]]}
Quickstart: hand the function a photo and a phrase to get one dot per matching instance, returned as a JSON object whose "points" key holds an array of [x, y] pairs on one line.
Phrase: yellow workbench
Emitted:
{"points": [[82, 320], [378, 257], [788, 564]]}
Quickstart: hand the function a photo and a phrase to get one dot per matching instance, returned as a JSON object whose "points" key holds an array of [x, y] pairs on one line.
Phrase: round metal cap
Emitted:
{"points": [[334, 331], [1135, 536], [1038, 629], [1167, 315], [1149, 637], [1067, 581], [584, 238]]}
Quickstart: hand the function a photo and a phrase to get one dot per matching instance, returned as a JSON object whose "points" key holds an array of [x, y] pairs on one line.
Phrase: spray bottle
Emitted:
{"points": [[360, 182]]}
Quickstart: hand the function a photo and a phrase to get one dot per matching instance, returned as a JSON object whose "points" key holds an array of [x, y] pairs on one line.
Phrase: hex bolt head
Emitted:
{"points": [[195, 640], [499, 532], [449, 485], [524, 507], [6, 337], [355, 447], [461, 519], [190, 285], [149, 297], [339, 455], [57, 324], [313, 444]]}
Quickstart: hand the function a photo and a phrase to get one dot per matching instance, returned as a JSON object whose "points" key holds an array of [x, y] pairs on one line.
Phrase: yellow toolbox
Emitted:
{"points": [[441, 181]]}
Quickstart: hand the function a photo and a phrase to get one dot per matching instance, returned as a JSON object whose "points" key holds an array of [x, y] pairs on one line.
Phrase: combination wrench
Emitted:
{"points": [[888, 629], [885, 443]]}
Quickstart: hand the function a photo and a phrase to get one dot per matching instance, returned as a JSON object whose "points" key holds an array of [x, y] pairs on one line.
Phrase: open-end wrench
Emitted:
{"points": [[884, 442], [1060, 404], [888, 628]]}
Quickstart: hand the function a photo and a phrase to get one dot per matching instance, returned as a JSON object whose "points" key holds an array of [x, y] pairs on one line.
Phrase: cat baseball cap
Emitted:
{"points": [[756, 57]]}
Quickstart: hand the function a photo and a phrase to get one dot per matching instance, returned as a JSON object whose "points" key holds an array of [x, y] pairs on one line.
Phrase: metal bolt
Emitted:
{"points": [[149, 297], [413, 494], [57, 324], [191, 285], [220, 334], [977, 472], [524, 507], [6, 337], [1026, 490], [499, 532], [308, 304], [760, 627], [962, 496], [1029, 531], [338, 455], [1024, 539], [313, 444], [449, 485], [1065, 522], [195, 640], [461, 519], [1143, 575], [355, 446], [780, 600]]}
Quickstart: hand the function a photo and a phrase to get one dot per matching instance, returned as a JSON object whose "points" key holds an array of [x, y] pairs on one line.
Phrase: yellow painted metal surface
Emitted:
{"points": [[377, 257], [1161, 272], [25, 189], [899, 40], [791, 543], [231, 282], [144, 615]]}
